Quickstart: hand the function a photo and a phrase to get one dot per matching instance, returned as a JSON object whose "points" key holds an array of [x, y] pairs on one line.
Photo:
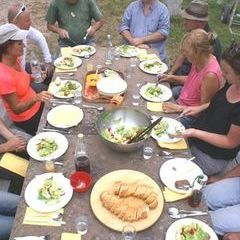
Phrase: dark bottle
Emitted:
{"points": [[82, 162], [196, 196]]}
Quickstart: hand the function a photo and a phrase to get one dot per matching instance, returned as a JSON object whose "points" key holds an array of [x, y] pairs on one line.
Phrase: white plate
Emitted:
{"points": [[131, 51], [82, 52], [31, 193], [155, 69], [60, 140], [55, 89], [77, 63], [65, 116], [177, 225], [110, 86], [165, 96], [178, 169], [164, 137]]}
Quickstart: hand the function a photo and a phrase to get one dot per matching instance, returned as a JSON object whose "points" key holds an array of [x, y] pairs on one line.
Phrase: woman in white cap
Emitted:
{"points": [[21, 102]]}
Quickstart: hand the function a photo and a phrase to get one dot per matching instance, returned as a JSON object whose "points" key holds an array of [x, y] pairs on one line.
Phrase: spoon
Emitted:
{"points": [[175, 211], [94, 107]]}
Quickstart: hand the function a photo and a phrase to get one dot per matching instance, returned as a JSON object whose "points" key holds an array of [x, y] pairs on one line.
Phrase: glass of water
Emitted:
{"points": [[128, 232], [133, 62], [81, 223], [147, 152], [116, 54], [86, 55], [77, 97]]}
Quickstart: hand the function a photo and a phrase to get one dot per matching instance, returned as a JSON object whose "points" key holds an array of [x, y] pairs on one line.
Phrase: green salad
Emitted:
{"points": [[66, 62], [156, 65], [82, 49], [192, 232], [161, 128], [50, 191], [153, 91], [68, 88], [46, 146], [127, 50], [120, 134]]}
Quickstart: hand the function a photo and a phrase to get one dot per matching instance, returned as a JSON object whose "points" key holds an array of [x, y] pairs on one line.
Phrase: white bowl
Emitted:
{"points": [[110, 86]]}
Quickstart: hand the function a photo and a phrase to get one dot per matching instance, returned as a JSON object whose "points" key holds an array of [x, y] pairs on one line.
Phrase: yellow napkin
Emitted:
{"points": [[33, 217], [66, 51], [14, 164], [154, 107], [177, 145], [142, 55], [70, 236], [171, 196]]}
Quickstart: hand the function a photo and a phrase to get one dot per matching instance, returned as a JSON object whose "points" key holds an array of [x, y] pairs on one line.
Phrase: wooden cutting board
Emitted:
{"points": [[106, 184]]}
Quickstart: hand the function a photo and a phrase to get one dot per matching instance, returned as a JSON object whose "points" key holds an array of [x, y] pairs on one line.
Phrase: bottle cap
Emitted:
{"points": [[80, 135], [202, 179]]}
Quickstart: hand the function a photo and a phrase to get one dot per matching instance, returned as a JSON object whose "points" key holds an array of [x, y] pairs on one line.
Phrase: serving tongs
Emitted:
{"points": [[140, 135]]}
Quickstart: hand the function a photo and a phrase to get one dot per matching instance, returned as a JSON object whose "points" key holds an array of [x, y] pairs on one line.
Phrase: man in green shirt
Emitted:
{"points": [[72, 20]]}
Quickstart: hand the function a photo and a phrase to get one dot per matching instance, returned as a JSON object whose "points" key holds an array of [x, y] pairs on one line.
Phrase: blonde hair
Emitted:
{"points": [[198, 42]]}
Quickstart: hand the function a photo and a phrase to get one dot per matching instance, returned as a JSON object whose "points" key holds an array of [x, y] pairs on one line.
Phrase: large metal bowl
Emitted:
{"points": [[128, 117]]}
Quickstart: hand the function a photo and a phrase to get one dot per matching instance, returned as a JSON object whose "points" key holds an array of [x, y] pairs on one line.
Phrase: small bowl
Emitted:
{"points": [[80, 181]]}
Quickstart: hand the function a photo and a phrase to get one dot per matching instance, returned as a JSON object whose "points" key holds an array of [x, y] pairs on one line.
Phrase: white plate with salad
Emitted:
{"points": [[65, 88], [155, 93], [82, 50], [127, 51], [190, 228], [179, 169], [166, 129], [67, 62], [48, 192], [153, 66], [47, 145]]}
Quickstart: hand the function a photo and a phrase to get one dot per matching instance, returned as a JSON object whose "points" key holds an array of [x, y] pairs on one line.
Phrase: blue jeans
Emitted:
{"points": [[223, 198], [8, 206]]}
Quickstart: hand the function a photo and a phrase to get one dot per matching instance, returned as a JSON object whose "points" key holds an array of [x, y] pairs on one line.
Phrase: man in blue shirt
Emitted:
{"points": [[145, 24]]}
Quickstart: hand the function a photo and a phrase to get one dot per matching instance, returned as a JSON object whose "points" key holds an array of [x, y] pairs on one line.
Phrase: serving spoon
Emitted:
{"points": [[176, 213]]}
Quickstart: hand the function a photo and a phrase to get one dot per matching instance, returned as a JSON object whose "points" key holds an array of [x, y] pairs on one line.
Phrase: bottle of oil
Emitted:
{"points": [[198, 185]]}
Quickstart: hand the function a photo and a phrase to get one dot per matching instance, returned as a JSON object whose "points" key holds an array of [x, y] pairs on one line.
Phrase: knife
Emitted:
{"points": [[183, 215], [55, 130]]}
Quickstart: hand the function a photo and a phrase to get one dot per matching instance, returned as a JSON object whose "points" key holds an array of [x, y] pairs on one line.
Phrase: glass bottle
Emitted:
{"points": [[35, 68], [110, 51], [198, 185], [82, 162]]}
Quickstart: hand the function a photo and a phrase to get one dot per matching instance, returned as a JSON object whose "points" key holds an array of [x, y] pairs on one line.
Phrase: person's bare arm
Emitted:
{"points": [[127, 36], [152, 38], [209, 87], [228, 141], [18, 106], [94, 27], [177, 63], [60, 31], [13, 143], [173, 79]]}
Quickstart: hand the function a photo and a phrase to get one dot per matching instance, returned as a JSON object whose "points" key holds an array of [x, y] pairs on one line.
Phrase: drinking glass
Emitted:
{"points": [[86, 56], [81, 223], [116, 54], [49, 165], [135, 99], [133, 62], [77, 97], [128, 71], [128, 232], [147, 152]]}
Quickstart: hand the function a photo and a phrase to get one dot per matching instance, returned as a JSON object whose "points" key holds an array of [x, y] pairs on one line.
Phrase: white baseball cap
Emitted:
{"points": [[10, 31]]}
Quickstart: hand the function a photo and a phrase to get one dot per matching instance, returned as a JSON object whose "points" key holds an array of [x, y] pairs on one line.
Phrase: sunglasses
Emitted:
{"points": [[21, 10], [234, 49]]}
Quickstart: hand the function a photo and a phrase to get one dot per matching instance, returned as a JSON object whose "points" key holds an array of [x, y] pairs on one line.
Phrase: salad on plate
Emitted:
{"points": [[46, 146], [65, 62], [82, 50], [68, 88], [192, 231], [127, 51], [50, 192]]}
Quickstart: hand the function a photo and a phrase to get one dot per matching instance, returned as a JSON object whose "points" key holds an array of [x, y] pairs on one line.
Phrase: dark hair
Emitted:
{"points": [[4, 47], [232, 56]]}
